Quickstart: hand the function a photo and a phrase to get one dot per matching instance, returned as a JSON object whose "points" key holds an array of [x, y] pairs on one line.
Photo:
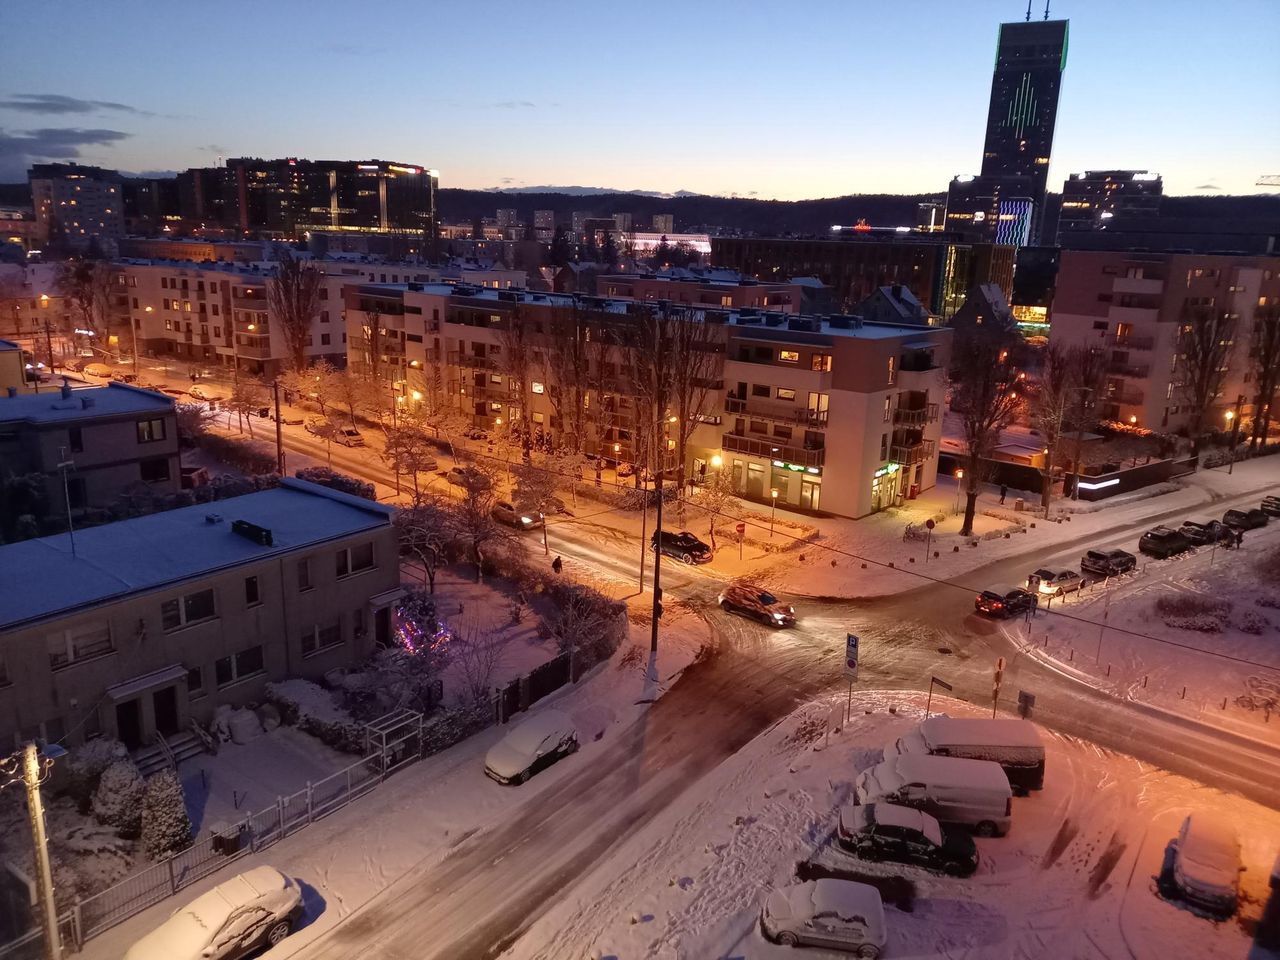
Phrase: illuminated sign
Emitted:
{"points": [[1114, 481], [888, 468], [85, 333], [399, 169], [795, 467]]}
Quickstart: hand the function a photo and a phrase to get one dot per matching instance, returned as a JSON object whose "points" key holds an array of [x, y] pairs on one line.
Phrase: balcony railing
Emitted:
{"points": [[1130, 398], [802, 456], [910, 453], [470, 360], [1118, 369], [916, 417], [779, 413], [1134, 343]]}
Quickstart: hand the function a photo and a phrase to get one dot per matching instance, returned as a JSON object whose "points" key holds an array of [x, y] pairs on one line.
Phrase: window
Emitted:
{"points": [[189, 609], [780, 432], [757, 426], [324, 339], [784, 393], [78, 643], [893, 371], [821, 362], [150, 431], [354, 559], [537, 387], [155, 470], [246, 663], [884, 446], [195, 682], [251, 596], [75, 439], [304, 574], [1100, 325], [321, 637], [888, 408], [760, 390], [539, 418], [789, 356]]}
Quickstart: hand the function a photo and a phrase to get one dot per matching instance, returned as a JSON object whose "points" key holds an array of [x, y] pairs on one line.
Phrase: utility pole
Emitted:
{"points": [[275, 390], [65, 465], [27, 769], [1234, 417]]}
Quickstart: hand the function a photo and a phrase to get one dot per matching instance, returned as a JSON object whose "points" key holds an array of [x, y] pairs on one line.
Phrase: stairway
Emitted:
{"points": [[167, 752]]}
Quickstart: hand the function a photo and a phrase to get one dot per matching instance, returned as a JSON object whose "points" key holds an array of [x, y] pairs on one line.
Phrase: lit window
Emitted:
{"points": [[537, 387], [789, 356], [785, 393]]}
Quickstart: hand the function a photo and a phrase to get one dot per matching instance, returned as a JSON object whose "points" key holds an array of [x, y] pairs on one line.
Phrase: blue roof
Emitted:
{"points": [[41, 578], [53, 406]]}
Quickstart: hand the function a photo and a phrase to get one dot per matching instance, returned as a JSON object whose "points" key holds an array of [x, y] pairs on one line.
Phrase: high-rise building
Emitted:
{"points": [[930, 216], [664, 223], [622, 222], [1092, 198], [76, 205], [508, 218], [1010, 190]]}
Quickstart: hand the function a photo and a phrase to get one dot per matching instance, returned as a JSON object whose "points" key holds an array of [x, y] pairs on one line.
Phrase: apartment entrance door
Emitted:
{"points": [[755, 481], [165, 703], [810, 494], [129, 723]]}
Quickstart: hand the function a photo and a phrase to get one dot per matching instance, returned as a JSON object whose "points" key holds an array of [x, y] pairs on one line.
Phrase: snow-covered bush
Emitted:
{"points": [[1191, 605], [328, 477], [118, 800], [1251, 621], [312, 709], [454, 725], [85, 766], [1202, 622], [1269, 600], [166, 829], [1268, 566]]}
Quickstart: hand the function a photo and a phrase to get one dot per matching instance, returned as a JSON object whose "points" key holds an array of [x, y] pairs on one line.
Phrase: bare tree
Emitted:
{"points": [[1203, 345], [87, 285], [409, 451], [194, 420], [580, 623], [247, 397], [477, 651], [647, 349], [472, 520], [1055, 397], [984, 393], [713, 498], [1265, 352], [516, 361], [567, 366], [317, 383], [324, 429], [424, 529], [695, 356], [294, 298]]}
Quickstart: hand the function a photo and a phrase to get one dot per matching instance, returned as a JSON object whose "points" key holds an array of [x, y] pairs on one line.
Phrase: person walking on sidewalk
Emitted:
{"points": [[1004, 490], [1239, 538]]}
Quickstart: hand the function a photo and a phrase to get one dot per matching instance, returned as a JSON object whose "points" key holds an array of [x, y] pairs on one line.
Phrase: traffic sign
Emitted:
{"points": [[741, 528], [851, 656], [928, 524]]}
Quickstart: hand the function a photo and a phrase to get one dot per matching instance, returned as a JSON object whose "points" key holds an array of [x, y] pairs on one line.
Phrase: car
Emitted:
{"points": [[204, 393], [475, 433], [684, 546], [750, 600], [1163, 542], [319, 426], [1245, 519], [532, 746], [247, 913], [1205, 533], [1004, 601], [1108, 563], [124, 377], [468, 477], [624, 469], [842, 914], [348, 437], [1271, 506], [75, 364], [1049, 583], [1202, 865], [505, 512], [287, 420], [888, 831], [96, 369]]}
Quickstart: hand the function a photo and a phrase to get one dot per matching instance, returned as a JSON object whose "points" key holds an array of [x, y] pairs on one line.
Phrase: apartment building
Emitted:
{"points": [[76, 204], [799, 396], [13, 377], [1133, 305], [33, 312], [148, 623], [110, 438], [1091, 200], [725, 289]]}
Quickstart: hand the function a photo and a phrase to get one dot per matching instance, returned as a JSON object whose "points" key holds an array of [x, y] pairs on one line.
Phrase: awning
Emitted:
{"points": [[157, 678], [387, 598]]}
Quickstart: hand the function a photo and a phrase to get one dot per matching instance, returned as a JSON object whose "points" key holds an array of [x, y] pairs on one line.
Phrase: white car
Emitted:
{"points": [[839, 914], [513, 516], [1205, 866], [257, 909], [204, 393], [1054, 583], [534, 745]]}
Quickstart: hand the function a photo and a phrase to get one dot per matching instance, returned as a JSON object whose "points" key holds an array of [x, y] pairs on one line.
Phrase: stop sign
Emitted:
{"points": [[742, 528], [929, 524]]}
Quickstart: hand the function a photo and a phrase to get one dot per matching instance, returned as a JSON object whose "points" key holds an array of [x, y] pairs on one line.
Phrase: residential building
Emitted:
{"points": [[196, 250], [508, 221], [622, 223], [76, 205], [18, 227], [13, 378], [33, 312], [544, 225], [110, 439], [893, 304], [1227, 235], [1132, 306], [140, 626], [150, 204], [1033, 286], [646, 244], [664, 223], [937, 271], [707, 287], [1091, 199]]}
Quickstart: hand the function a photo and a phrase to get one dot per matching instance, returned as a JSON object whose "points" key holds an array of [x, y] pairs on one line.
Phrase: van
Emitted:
{"points": [[1014, 744], [972, 793]]}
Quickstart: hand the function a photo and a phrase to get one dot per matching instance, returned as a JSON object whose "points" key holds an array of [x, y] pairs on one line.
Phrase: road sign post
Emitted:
{"points": [[996, 680], [850, 670], [929, 702], [742, 531], [928, 537]]}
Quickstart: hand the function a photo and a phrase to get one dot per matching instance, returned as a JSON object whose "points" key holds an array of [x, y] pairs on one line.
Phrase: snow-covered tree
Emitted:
{"points": [[118, 800], [166, 828], [86, 765]]}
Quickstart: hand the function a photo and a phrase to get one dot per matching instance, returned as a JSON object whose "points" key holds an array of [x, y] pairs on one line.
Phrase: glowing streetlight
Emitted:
{"points": [[1133, 418], [773, 492], [959, 476], [717, 461]]}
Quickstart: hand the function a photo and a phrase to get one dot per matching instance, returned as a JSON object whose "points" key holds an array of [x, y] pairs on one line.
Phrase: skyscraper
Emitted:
{"points": [[1030, 58]]}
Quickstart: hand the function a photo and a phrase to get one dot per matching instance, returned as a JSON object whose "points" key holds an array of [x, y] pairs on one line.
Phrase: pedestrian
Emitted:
{"points": [[1004, 489], [1239, 538], [557, 565]]}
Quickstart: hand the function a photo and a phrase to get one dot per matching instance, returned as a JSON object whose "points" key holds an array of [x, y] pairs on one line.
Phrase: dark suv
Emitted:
{"points": [[1108, 563], [1271, 506], [1004, 601], [1163, 542], [885, 831], [1205, 533], [1245, 519], [684, 546]]}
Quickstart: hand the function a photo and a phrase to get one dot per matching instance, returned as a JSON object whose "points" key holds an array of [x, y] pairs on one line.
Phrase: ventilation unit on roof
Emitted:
{"points": [[251, 531], [213, 518], [774, 319]]}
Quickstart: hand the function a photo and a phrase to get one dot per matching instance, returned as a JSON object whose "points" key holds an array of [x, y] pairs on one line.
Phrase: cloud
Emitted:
{"points": [[215, 148], [56, 103], [512, 104], [20, 148], [1209, 186]]}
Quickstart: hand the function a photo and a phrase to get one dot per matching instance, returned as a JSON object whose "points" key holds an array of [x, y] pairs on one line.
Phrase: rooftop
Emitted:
{"points": [[73, 405], [8, 345], [42, 578], [771, 325]]}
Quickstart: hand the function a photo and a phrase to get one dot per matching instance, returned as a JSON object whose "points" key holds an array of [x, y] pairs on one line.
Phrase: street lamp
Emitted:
{"points": [[773, 492], [1233, 421], [717, 461], [959, 477]]}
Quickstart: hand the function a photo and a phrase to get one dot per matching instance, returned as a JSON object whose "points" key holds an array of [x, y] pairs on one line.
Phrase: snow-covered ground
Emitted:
{"points": [[1073, 879]]}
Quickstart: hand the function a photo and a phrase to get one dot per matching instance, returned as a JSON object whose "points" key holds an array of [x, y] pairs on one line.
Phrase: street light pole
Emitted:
{"points": [[1233, 418], [27, 769], [773, 493]]}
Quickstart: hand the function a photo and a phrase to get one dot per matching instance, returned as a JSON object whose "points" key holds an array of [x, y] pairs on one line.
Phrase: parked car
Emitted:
{"points": [[124, 376], [753, 601], [317, 426], [684, 546], [624, 469], [287, 420], [505, 512], [1202, 865], [1245, 519], [96, 369], [1108, 563], [1014, 744], [348, 437], [1054, 584], [534, 745], [253, 911], [468, 477], [886, 831], [1004, 601], [204, 393], [971, 793], [1205, 533], [475, 433], [1271, 506], [840, 914], [1163, 542]]}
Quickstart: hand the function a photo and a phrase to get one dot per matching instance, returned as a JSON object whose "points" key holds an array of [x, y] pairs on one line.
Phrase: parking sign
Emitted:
{"points": [[851, 656]]}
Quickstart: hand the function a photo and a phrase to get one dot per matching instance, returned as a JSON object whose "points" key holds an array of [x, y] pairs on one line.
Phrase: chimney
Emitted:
{"points": [[66, 389]]}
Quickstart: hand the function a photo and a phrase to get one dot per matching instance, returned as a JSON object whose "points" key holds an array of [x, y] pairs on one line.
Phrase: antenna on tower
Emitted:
{"points": [[1046, 9], [1029, 11]]}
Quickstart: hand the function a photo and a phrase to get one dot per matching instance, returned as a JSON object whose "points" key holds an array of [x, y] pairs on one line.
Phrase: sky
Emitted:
{"points": [[794, 100]]}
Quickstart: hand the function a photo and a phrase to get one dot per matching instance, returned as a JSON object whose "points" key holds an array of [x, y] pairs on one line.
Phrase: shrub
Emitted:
{"points": [[1268, 566], [85, 767], [1190, 605], [1251, 621], [118, 800], [312, 709], [330, 478], [249, 457], [166, 829], [453, 725], [1204, 623]]}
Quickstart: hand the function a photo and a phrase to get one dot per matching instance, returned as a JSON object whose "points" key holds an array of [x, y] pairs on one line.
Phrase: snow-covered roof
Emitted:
{"points": [[979, 731], [92, 402], [8, 345], [954, 771], [895, 815], [849, 901], [537, 728], [42, 578]]}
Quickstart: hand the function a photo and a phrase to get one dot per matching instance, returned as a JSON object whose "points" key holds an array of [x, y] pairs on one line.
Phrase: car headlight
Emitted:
{"points": [[779, 616], [526, 519]]}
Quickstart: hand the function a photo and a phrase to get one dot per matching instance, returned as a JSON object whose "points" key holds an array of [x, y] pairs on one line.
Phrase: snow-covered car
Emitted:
{"points": [[475, 433], [468, 477], [839, 914], [255, 910], [887, 831], [534, 745], [97, 369], [1108, 563], [624, 469], [513, 516], [754, 601], [1271, 506], [204, 393], [1202, 864], [1054, 583], [1004, 601], [348, 437], [1205, 533]]}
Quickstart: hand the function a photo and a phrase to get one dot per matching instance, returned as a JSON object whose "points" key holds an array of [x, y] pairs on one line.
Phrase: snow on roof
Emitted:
{"points": [[42, 578], [925, 768], [979, 731], [895, 815], [848, 900], [1213, 847], [533, 731], [111, 400]]}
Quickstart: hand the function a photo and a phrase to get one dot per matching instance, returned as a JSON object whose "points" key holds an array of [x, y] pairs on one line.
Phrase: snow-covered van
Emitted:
{"points": [[975, 793], [1014, 744]]}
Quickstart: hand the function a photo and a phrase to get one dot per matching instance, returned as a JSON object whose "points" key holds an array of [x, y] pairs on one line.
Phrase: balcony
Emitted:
{"points": [[1133, 343], [1137, 371], [471, 361], [917, 417], [253, 353], [733, 443], [1138, 285], [256, 302], [907, 454], [1129, 398], [777, 412]]}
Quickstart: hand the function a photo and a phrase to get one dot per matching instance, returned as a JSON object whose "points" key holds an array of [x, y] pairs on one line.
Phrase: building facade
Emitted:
{"points": [[33, 312], [704, 288], [153, 622], [1133, 305], [1091, 199], [76, 205]]}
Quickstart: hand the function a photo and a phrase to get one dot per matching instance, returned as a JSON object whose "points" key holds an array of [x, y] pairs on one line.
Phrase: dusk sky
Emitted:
{"points": [[794, 100]]}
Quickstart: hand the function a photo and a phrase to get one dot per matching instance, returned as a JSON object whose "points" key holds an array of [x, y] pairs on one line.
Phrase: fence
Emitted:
{"points": [[523, 692]]}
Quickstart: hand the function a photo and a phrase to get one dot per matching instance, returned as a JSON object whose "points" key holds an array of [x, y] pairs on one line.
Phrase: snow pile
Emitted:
{"points": [[313, 710]]}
